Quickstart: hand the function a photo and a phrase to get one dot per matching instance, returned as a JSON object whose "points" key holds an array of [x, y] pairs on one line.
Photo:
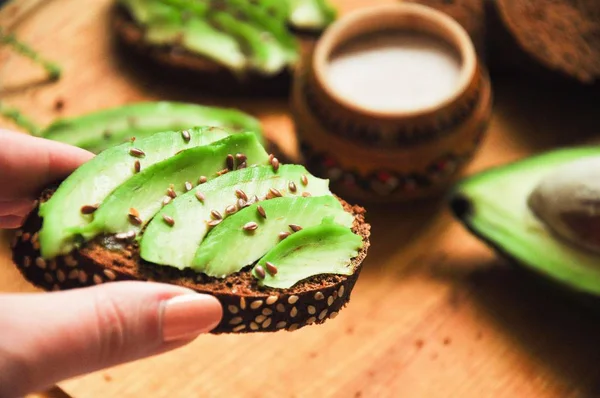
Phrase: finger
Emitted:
{"points": [[16, 207], [27, 163], [48, 337], [11, 222]]}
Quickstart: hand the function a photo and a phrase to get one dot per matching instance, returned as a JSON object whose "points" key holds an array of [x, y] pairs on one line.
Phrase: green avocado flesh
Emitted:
{"points": [[494, 206], [91, 183], [322, 249], [238, 34], [106, 128], [145, 191], [176, 245], [214, 259], [193, 199]]}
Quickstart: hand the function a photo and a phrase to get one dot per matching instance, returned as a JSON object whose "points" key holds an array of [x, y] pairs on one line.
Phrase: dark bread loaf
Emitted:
{"points": [[177, 63], [562, 36], [246, 306]]}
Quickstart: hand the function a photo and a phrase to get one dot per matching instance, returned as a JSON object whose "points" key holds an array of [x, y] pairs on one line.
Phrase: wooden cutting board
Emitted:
{"points": [[434, 314]]}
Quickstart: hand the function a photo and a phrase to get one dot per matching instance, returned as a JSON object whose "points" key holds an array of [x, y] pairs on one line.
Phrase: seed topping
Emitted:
{"points": [[261, 211], [283, 235], [239, 328], [250, 226], [304, 180], [137, 166], [214, 223], [241, 194], [271, 269], [274, 193], [271, 300], [138, 153], [271, 156], [133, 212], [233, 309], [202, 180], [110, 274], [256, 304], [200, 196], [295, 227], [169, 220], [267, 323], [188, 186], [135, 220], [260, 272], [280, 324], [275, 164], [230, 209], [293, 299], [171, 192], [123, 236], [216, 215], [241, 203], [40, 262], [293, 312], [311, 309], [166, 200], [319, 296], [260, 318], [186, 135], [306, 194], [240, 157], [224, 171], [229, 161], [242, 165], [292, 186], [89, 209]]}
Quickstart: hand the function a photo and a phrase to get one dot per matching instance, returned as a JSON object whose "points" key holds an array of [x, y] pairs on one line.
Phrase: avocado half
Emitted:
{"points": [[493, 206]]}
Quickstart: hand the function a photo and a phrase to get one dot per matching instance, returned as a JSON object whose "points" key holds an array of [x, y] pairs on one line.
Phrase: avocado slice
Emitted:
{"points": [[91, 183], [232, 244], [144, 191], [238, 34], [323, 249], [494, 206], [311, 14], [109, 127], [176, 245]]}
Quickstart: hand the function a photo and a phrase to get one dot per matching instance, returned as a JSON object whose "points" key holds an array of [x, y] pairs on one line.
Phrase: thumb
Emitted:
{"points": [[48, 337]]}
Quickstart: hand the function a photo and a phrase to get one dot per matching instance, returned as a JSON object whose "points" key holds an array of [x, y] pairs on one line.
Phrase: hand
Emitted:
{"points": [[48, 337], [27, 164]]}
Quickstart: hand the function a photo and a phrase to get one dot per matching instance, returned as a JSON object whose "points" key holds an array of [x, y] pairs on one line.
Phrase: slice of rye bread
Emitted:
{"points": [[246, 306], [177, 63]]}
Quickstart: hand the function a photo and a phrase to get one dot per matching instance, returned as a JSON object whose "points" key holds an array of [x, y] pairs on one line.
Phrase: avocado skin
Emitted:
{"points": [[464, 206]]}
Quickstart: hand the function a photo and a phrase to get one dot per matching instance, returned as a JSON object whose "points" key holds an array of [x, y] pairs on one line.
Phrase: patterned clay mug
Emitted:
{"points": [[377, 155]]}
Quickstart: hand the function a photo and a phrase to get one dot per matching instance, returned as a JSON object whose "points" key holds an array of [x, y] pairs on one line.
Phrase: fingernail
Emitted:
{"points": [[188, 315]]}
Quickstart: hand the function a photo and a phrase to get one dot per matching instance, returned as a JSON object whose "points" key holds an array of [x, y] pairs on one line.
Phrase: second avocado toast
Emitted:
{"points": [[204, 209]]}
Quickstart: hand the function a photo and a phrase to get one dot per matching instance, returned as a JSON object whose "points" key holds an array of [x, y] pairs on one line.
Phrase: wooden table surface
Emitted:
{"points": [[434, 314]]}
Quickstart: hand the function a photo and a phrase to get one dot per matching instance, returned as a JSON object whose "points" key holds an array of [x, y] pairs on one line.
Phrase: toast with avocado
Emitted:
{"points": [[234, 46], [207, 210]]}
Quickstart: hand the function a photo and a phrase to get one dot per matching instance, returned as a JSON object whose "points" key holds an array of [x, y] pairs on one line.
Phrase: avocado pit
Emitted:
{"points": [[567, 201]]}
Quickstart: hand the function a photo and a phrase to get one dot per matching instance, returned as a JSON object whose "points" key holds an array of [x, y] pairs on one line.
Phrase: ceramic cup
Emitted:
{"points": [[390, 155]]}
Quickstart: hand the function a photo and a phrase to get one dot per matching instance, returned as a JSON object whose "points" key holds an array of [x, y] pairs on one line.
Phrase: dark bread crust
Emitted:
{"points": [[176, 62], [246, 306]]}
